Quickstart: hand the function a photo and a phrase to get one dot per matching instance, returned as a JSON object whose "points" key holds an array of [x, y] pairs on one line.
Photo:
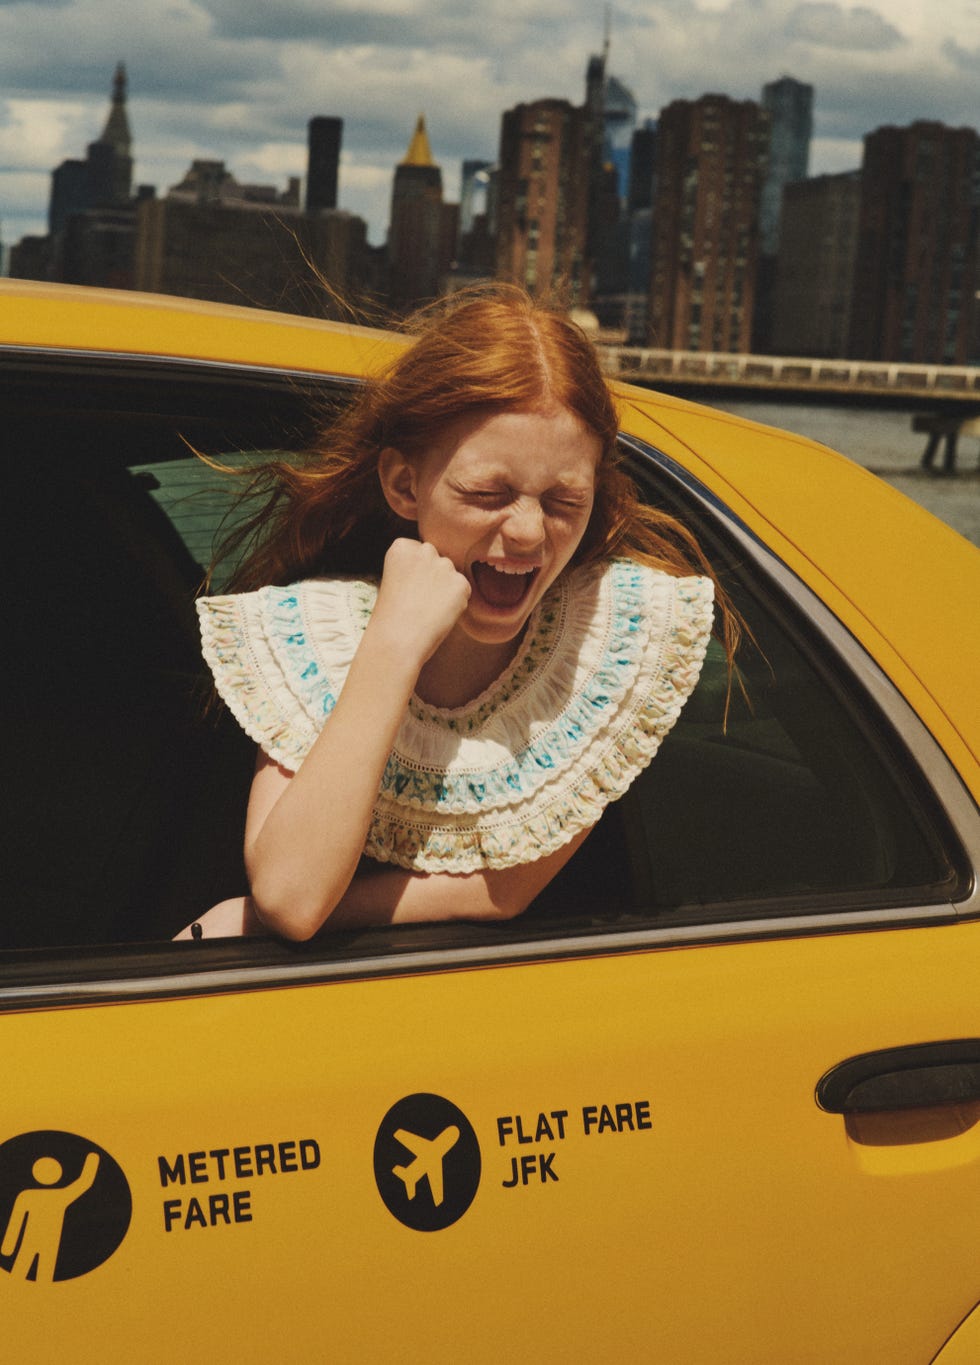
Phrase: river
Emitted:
{"points": [[883, 441]]}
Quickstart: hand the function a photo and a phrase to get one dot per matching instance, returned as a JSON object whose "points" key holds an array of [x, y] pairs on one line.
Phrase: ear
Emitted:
{"points": [[398, 483]]}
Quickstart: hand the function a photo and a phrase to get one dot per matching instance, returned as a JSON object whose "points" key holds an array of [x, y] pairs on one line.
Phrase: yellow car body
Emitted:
{"points": [[743, 1133]]}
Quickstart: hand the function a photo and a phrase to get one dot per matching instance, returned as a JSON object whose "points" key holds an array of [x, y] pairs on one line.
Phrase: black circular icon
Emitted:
{"points": [[65, 1206], [426, 1162]]}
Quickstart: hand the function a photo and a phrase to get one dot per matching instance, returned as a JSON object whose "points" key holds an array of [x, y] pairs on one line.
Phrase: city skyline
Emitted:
{"points": [[239, 82]]}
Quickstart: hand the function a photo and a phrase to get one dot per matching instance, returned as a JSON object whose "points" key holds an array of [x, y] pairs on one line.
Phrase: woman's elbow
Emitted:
{"points": [[288, 914]]}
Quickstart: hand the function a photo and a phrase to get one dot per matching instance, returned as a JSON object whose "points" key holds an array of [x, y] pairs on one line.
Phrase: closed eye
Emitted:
{"points": [[566, 506], [488, 497]]}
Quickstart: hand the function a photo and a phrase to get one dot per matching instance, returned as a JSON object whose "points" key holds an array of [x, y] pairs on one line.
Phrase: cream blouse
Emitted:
{"points": [[608, 659]]}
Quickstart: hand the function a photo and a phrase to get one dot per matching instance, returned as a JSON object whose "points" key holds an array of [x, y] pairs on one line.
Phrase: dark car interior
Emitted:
{"points": [[126, 793]]}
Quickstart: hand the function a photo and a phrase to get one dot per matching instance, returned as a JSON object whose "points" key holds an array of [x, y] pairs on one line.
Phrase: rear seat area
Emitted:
{"points": [[126, 802]]}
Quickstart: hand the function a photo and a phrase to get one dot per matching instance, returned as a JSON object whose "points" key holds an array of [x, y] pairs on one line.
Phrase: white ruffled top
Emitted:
{"points": [[608, 659]]}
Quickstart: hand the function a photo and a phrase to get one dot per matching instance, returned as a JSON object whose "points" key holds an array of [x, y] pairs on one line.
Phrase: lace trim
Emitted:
{"points": [[526, 831], [609, 657]]}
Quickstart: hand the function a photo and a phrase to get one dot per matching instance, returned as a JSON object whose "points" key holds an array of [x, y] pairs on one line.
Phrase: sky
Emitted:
{"points": [[238, 80]]}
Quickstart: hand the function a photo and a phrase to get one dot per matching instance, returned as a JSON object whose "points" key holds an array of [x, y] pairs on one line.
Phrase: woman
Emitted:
{"points": [[485, 640]]}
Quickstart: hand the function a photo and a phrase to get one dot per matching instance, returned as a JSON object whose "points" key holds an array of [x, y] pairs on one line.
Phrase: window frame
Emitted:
{"points": [[45, 978]]}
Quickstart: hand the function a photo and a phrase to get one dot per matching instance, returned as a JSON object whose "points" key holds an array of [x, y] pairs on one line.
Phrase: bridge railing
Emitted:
{"points": [[643, 364]]}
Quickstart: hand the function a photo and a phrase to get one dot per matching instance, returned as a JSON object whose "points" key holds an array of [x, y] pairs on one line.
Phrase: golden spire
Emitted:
{"points": [[419, 152]]}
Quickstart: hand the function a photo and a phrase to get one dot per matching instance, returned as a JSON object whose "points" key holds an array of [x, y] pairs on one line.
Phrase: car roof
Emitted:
{"points": [[904, 584], [119, 321]]}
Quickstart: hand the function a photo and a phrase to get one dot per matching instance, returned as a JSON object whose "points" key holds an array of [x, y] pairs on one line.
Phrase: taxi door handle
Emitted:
{"points": [[912, 1077]]}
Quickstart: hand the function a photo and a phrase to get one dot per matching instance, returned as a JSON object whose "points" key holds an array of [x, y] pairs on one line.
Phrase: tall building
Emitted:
{"points": [[639, 213], [475, 250], [814, 278], [643, 166], [917, 264], [323, 162], [790, 107], [105, 178], [618, 125], [422, 230], [543, 199], [611, 111], [474, 189], [91, 211], [711, 157], [789, 104]]}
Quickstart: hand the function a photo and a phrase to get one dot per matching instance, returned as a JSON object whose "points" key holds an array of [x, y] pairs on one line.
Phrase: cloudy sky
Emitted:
{"points": [[238, 80]]}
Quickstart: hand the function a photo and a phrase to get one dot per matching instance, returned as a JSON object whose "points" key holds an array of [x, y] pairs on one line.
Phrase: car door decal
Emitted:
{"points": [[224, 1166], [65, 1206], [427, 1162]]}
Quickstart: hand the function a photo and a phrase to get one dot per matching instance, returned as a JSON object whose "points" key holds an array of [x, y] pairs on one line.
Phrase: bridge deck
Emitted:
{"points": [[948, 383]]}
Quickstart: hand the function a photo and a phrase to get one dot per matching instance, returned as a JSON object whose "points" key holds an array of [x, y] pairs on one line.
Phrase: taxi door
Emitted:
{"points": [[608, 1156]]}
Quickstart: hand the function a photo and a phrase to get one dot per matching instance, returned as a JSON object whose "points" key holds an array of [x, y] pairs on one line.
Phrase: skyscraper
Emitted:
{"points": [[789, 104], [323, 162], [917, 268], [474, 184], [421, 235], [790, 107], [544, 198], [643, 166], [711, 156], [619, 123], [105, 178]]}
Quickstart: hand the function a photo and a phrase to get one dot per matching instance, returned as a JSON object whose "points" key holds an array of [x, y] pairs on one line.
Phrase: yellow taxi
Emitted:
{"points": [[714, 1098]]}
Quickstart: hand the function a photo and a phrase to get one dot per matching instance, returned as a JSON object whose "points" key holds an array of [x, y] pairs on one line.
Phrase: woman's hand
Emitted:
{"points": [[421, 597]]}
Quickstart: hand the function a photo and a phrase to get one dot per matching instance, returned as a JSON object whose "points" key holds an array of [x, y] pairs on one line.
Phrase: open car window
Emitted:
{"points": [[790, 795]]}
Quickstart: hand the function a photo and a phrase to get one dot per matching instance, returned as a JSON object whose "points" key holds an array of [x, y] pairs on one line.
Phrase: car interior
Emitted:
{"points": [[779, 790]]}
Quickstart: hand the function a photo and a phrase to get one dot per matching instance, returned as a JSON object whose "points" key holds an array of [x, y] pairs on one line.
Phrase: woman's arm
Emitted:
{"points": [[305, 832], [390, 895]]}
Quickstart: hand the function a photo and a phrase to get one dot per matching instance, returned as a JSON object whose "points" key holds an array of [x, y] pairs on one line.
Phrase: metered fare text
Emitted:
{"points": [[221, 1166]]}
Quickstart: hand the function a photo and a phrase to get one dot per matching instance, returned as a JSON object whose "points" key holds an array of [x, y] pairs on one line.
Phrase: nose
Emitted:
{"points": [[524, 526]]}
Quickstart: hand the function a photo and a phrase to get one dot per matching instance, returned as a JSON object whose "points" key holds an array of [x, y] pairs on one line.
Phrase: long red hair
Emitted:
{"points": [[488, 350]]}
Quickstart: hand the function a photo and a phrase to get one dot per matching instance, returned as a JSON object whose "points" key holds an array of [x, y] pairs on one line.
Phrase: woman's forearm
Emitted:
{"points": [[305, 836], [305, 833], [390, 895]]}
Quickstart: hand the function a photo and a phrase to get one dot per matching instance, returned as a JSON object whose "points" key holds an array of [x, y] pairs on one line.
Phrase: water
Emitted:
{"points": [[883, 441]]}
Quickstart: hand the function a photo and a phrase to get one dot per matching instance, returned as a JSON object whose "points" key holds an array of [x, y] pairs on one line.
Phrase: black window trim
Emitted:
{"points": [[41, 978]]}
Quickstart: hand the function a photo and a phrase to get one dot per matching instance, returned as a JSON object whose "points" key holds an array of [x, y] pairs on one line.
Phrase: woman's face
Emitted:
{"points": [[507, 498]]}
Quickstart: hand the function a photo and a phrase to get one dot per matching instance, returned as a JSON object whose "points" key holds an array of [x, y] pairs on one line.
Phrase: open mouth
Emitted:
{"points": [[500, 587]]}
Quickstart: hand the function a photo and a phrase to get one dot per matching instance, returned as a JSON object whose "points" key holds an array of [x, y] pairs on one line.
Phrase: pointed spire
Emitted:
{"points": [[419, 152], [116, 131]]}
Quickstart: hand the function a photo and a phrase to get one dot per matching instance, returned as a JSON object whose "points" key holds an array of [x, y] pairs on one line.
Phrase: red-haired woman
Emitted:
{"points": [[459, 638]]}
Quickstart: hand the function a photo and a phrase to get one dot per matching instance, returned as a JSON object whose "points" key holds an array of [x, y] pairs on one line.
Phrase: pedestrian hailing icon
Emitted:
{"points": [[65, 1206], [426, 1162]]}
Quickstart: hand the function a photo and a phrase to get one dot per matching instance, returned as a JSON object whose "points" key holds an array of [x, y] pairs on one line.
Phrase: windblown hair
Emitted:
{"points": [[482, 351]]}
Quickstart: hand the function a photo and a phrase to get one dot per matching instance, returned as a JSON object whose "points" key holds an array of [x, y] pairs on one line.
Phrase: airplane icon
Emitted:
{"points": [[429, 1155]]}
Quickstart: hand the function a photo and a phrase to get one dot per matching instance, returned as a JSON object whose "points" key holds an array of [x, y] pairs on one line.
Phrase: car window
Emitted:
{"points": [[203, 503], [780, 790], [131, 791]]}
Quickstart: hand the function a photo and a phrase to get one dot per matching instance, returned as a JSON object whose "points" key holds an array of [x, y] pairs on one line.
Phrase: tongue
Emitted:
{"points": [[499, 589]]}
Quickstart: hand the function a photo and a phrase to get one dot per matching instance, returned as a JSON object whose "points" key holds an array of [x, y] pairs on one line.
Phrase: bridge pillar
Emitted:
{"points": [[944, 428]]}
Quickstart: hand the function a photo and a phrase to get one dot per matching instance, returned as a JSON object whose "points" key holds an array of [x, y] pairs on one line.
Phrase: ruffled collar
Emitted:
{"points": [[609, 656]]}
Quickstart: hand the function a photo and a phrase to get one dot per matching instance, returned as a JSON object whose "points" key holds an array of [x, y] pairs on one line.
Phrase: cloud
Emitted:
{"points": [[831, 25], [238, 80], [962, 57]]}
